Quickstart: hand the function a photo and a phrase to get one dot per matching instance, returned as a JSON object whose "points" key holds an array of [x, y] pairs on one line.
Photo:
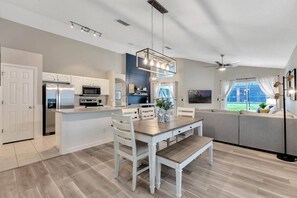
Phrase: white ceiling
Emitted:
{"points": [[259, 33]]}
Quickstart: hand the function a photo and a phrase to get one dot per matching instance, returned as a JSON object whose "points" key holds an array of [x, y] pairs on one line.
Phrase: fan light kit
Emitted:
{"points": [[85, 29], [222, 66], [150, 60]]}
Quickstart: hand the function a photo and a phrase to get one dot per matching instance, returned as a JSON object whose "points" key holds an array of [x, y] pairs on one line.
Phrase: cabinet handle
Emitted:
{"points": [[190, 127], [178, 131]]}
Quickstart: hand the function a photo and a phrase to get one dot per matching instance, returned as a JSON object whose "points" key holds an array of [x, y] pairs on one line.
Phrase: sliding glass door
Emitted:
{"points": [[245, 95]]}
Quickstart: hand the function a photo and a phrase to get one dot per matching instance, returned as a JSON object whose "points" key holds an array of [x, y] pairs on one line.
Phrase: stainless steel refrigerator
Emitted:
{"points": [[55, 96]]}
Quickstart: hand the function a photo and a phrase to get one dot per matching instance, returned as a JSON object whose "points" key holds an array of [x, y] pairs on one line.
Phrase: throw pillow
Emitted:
{"points": [[264, 111]]}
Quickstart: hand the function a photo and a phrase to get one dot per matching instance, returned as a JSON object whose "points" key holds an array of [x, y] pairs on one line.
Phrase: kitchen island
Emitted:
{"points": [[82, 128]]}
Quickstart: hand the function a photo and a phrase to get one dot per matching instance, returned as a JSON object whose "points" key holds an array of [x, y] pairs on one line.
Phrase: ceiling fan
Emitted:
{"points": [[222, 66]]}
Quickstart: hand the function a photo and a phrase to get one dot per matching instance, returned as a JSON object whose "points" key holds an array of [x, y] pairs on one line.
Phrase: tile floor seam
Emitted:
{"points": [[36, 150], [17, 161]]}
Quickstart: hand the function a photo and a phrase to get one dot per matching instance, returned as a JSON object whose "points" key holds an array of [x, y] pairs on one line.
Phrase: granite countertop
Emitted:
{"points": [[88, 110]]}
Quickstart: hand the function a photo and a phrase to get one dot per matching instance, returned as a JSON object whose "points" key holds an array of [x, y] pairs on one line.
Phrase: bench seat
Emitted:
{"points": [[180, 154]]}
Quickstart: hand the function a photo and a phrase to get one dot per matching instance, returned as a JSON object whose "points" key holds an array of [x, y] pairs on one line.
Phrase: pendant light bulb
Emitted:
{"points": [[167, 67], [145, 61], [158, 65], [152, 63]]}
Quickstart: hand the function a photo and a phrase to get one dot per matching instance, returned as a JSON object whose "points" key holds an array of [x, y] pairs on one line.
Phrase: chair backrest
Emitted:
{"points": [[186, 112], [123, 132], [147, 113], [133, 112]]}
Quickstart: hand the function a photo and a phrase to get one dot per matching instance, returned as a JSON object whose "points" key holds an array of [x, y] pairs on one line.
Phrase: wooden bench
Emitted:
{"points": [[180, 154]]}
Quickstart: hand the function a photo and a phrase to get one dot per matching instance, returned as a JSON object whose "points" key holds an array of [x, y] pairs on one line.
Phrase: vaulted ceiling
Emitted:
{"points": [[259, 33]]}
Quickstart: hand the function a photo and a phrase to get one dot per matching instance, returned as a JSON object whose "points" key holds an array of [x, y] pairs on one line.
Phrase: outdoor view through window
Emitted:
{"points": [[245, 96]]}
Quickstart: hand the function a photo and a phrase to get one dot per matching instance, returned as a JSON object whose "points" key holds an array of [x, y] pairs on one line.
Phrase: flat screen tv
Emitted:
{"points": [[199, 96]]}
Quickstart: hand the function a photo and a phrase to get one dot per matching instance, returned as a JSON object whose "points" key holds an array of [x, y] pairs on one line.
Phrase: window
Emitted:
{"points": [[164, 92], [245, 96]]}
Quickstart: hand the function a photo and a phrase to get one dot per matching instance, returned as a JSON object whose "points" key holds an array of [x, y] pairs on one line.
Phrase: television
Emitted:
{"points": [[199, 96]]}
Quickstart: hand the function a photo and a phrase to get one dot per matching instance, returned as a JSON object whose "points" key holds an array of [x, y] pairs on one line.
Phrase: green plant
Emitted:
{"points": [[164, 104], [262, 105], [160, 102], [167, 105]]}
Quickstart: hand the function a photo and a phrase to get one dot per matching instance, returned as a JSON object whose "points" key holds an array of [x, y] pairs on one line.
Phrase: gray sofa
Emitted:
{"points": [[260, 131]]}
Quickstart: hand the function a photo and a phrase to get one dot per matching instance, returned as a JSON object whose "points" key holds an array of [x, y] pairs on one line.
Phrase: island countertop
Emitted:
{"points": [[88, 110]]}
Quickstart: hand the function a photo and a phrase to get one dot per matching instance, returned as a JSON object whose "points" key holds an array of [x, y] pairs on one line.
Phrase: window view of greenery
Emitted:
{"points": [[245, 96]]}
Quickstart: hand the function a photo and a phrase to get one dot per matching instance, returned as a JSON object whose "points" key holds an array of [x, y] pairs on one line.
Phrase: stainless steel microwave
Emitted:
{"points": [[91, 91]]}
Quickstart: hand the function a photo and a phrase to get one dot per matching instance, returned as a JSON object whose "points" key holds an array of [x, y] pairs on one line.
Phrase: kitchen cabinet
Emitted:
{"points": [[87, 81], [46, 76], [64, 78], [77, 82], [104, 84]]}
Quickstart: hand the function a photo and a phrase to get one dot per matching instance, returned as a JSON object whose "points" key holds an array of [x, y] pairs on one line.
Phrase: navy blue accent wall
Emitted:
{"points": [[137, 77]]}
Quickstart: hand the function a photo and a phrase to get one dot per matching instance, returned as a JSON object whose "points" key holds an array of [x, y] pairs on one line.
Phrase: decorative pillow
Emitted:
{"points": [[264, 111], [273, 110]]}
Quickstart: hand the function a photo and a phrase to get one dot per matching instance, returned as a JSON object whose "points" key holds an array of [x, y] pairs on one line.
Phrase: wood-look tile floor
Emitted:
{"points": [[236, 172]]}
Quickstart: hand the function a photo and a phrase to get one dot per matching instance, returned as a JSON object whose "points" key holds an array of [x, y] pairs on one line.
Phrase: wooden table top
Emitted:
{"points": [[152, 127]]}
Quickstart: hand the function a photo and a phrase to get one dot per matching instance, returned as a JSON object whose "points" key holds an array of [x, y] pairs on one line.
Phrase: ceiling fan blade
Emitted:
{"points": [[231, 65], [217, 62]]}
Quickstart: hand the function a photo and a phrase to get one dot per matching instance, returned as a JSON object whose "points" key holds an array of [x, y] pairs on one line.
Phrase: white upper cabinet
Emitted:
{"points": [[77, 82], [104, 84], [87, 81], [64, 78], [46, 76]]}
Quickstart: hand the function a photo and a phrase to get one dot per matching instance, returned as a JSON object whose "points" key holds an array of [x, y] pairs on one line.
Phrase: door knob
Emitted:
{"points": [[30, 107]]}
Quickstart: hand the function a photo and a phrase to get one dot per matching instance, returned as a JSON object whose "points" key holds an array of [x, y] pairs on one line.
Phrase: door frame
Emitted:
{"points": [[34, 69]]}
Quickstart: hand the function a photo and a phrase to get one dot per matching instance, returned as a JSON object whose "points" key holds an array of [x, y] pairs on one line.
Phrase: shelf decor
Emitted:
{"points": [[131, 88]]}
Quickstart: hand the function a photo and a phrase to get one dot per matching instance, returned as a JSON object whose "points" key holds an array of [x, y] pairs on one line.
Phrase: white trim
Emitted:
{"points": [[35, 69]]}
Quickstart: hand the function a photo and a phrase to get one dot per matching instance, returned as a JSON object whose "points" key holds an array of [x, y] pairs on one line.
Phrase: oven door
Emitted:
{"points": [[91, 91]]}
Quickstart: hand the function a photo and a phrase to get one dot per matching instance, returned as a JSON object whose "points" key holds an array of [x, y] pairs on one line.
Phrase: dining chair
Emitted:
{"points": [[147, 113], [126, 147], [133, 112], [185, 112]]}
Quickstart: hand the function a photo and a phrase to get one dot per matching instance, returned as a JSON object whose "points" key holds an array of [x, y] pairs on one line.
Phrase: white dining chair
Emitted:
{"points": [[133, 112], [147, 113], [126, 147], [185, 112]]}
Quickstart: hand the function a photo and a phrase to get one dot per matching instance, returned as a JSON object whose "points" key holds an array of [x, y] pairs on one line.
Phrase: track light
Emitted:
{"points": [[85, 29]]}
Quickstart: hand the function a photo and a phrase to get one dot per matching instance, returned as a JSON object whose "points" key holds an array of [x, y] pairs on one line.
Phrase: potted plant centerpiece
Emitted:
{"points": [[163, 111]]}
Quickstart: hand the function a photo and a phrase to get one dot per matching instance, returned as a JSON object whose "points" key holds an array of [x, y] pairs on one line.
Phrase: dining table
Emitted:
{"points": [[152, 132]]}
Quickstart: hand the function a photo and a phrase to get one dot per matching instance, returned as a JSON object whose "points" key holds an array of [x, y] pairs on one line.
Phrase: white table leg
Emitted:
{"points": [[178, 172], [200, 132], [158, 175], [152, 165]]}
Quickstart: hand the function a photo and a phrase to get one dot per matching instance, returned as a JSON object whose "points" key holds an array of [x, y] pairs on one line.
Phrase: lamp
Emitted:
{"points": [[284, 156], [158, 62], [222, 68]]}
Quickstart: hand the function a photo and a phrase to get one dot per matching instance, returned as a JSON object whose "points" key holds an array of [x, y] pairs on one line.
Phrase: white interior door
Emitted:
{"points": [[18, 100]]}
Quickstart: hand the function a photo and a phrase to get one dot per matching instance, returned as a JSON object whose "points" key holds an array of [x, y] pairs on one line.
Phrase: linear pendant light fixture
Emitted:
{"points": [[151, 60], [85, 29]]}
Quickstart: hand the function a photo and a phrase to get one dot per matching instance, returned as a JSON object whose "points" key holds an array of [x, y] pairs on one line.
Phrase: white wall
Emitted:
{"points": [[194, 75], [60, 54], [292, 63]]}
